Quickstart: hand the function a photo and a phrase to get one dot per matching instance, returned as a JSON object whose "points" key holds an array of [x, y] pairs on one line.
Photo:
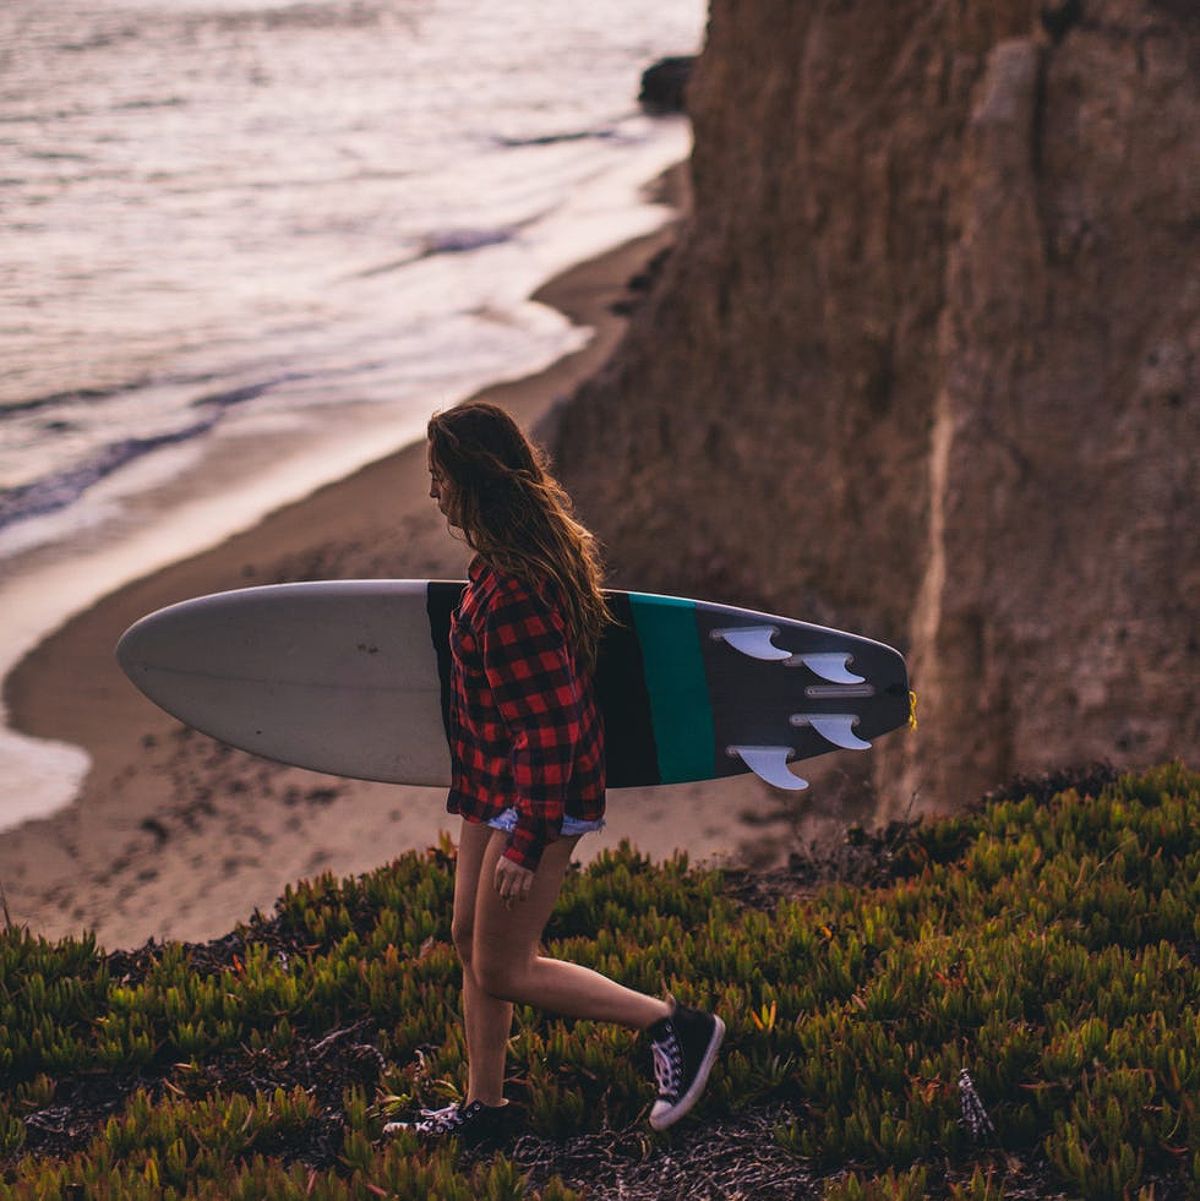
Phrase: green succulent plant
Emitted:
{"points": [[1045, 947]]}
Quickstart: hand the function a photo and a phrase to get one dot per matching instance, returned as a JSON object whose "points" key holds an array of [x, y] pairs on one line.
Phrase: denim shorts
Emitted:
{"points": [[571, 826]]}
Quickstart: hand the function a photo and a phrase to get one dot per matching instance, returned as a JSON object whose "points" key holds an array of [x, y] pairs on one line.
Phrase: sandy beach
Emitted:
{"points": [[174, 835]]}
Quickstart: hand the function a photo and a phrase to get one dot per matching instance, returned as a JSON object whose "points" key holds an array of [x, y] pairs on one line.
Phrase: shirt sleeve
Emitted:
{"points": [[530, 671]]}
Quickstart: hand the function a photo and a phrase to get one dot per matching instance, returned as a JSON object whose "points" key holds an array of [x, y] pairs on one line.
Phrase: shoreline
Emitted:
{"points": [[187, 499], [175, 835]]}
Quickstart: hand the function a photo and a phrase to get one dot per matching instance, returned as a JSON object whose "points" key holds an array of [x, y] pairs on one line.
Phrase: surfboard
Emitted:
{"points": [[351, 677]]}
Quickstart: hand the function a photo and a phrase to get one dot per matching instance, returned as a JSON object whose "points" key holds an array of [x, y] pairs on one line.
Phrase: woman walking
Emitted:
{"points": [[527, 746]]}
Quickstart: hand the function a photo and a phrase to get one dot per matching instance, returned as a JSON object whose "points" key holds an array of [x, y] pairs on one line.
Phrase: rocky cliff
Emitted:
{"points": [[925, 364]]}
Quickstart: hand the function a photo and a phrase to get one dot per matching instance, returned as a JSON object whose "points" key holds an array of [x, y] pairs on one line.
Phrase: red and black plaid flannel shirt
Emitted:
{"points": [[525, 730]]}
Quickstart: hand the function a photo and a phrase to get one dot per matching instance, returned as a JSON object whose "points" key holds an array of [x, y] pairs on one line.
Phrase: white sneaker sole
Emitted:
{"points": [[668, 1117]]}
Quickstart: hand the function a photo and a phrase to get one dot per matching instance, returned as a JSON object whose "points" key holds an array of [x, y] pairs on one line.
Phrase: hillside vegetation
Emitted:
{"points": [[1045, 943]]}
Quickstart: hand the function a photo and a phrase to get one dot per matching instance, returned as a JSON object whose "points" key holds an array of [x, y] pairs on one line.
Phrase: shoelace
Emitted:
{"points": [[441, 1121], [668, 1065]]}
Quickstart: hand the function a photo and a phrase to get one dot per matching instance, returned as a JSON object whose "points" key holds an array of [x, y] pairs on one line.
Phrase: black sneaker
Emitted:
{"points": [[685, 1047], [474, 1125]]}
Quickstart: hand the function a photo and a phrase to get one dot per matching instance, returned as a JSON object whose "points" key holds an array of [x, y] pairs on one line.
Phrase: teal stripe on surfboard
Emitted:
{"points": [[676, 685]]}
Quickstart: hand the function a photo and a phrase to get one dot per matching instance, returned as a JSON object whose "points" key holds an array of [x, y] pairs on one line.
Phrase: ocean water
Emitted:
{"points": [[249, 245]]}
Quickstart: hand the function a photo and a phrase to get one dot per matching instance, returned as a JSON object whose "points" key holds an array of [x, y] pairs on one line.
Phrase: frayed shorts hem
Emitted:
{"points": [[571, 826]]}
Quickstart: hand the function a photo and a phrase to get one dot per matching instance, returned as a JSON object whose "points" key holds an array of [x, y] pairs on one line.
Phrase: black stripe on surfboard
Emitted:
{"points": [[630, 751], [441, 599]]}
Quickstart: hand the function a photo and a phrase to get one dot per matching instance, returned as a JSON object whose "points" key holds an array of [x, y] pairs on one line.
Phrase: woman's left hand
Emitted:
{"points": [[513, 882]]}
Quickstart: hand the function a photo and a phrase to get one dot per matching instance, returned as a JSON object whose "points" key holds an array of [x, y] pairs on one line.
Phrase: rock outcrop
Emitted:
{"points": [[664, 85], [925, 364]]}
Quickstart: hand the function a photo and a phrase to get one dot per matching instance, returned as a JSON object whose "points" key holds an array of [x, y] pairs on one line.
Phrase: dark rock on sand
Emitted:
{"points": [[664, 85]]}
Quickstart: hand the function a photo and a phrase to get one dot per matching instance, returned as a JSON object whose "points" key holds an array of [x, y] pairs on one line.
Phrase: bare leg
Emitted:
{"points": [[487, 1020], [505, 958]]}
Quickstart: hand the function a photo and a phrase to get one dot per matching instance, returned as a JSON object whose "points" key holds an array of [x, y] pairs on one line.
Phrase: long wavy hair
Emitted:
{"points": [[517, 516]]}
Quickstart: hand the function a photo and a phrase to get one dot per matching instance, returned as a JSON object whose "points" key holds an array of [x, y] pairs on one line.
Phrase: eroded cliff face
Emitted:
{"points": [[925, 364]]}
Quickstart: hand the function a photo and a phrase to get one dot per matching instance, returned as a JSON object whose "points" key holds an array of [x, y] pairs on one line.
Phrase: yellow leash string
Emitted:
{"points": [[912, 710]]}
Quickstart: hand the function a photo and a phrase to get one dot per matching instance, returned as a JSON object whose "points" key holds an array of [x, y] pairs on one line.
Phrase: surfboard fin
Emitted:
{"points": [[831, 667], [769, 763], [754, 641], [837, 728]]}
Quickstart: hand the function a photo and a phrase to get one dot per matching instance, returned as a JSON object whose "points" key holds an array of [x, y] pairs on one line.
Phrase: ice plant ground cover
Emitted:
{"points": [[1045, 942]]}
